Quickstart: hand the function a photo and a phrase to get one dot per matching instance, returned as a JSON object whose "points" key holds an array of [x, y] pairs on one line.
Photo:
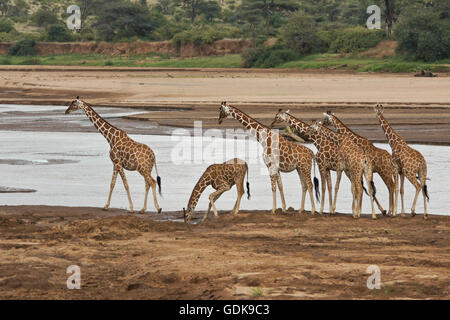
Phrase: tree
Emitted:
{"points": [[254, 11], [58, 33], [123, 20], [423, 35], [299, 33], [44, 18], [4, 6], [6, 25]]}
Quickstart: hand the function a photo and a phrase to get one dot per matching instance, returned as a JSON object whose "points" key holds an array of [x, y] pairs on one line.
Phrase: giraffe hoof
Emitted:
{"points": [[142, 211], [159, 210], [130, 211], [384, 212], [374, 218], [105, 208], [425, 217], [301, 211], [413, 214]]}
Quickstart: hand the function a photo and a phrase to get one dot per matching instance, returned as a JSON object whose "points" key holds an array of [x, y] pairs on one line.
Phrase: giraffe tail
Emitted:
{"points": [[422, 178], [158, 179], [316, 182], [248, 185]]}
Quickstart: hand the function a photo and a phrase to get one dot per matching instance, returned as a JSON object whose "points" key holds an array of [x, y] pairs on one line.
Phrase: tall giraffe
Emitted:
{"points": [[125, 153], [410, 163], [356, 165], [279, 155], [222, 177], [327, 155], [382, 162]]}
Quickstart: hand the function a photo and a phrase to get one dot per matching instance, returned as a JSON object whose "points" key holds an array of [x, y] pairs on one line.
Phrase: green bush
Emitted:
{"points": [[203, 35], [267, 56], [356, 39], [423, 35], [58, 33], [23, 48], [7, 37], [6, 26]]}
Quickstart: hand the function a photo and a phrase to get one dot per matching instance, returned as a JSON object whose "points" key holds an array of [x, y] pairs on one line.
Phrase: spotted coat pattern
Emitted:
{"points": [[279, 154], [125, 153], [222, 177], [382, 161], [327, 154], [410, 162]]}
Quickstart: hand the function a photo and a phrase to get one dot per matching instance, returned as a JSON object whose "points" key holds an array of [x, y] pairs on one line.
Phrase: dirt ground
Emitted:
{"points": [[253, 255]]}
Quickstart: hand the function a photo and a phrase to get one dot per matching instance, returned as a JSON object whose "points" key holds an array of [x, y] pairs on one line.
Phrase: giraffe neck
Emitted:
{"points": [[201, 185], [110, 132], [343, 129], [301, 127], [255, 128], [330, 134], [393, 137]]}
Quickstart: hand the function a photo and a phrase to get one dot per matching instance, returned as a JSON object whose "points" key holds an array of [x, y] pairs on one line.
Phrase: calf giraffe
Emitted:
{"points": [[327, 155], [221, 177], [356, 165], [409, 161], [125, 153], [382, 162], [279, 155]]}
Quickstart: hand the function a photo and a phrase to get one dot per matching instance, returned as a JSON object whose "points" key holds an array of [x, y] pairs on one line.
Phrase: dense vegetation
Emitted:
{"points": [[295, 28]]}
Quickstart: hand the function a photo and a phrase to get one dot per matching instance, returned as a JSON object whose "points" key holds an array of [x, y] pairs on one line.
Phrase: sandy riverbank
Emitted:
{"points": [[251, 255]]}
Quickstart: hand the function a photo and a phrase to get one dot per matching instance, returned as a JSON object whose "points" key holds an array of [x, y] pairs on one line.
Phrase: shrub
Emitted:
{"points": [[267, 57], [352, 40], [7, 37], [203, 35], [422, 35], [23, 48], [6, 25], [58, 33]]}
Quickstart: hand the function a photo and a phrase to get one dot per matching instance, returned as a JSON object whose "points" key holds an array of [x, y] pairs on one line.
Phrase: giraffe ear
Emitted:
{"points": [[78, 97], [328, 112], [288, 111]]}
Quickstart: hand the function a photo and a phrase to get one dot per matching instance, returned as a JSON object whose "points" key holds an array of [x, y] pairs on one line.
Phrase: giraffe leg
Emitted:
{"points": [[387, 179], [149, 181], [423, 181], [240, 193], [402, 192], [218, 193], [273, 181], [280, 188], [336, 189], [412, 178], [209, 208], [113, 183], [304, 190], [306, 174], [125, 184], [395, 204], [330, 190], [323, 180], [355, 215]]}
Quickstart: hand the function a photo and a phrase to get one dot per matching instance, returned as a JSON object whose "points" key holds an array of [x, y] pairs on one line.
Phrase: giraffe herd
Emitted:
{"points": [[339, 149]]}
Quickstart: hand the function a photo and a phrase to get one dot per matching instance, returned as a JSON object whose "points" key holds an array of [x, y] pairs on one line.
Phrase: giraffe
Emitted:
{"points": [[410, 162], [356, 165], [382, 162], [279, 155], [125, 153], [327, 155], [222, 177]]}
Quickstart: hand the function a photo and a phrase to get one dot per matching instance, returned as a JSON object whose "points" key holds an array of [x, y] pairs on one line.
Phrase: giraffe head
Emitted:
{"points": [[224, 111], [280, 117], [379, 109], [328, 118], [314, 127], [187, 214], [74, 105]]}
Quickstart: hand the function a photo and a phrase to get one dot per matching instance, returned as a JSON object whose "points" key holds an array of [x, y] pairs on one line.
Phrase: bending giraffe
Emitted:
{"points": [[356, 166], [382, 162], [222, 177], [125, 153], [410, 162], [327, 156], [279, 155]]}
